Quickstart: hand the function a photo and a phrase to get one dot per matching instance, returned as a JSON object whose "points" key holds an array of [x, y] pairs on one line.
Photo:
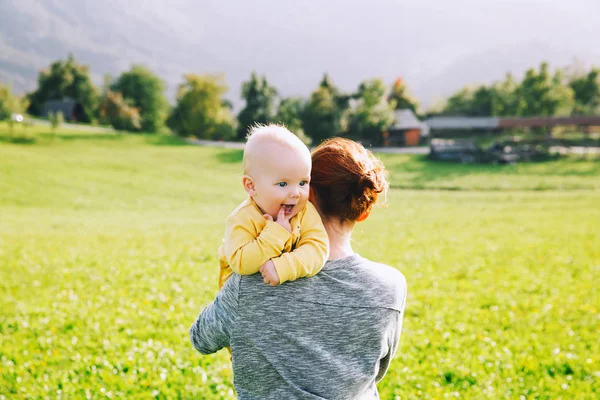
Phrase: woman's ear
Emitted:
{"points": [[248, 185], [364, 215], [311, 195]]}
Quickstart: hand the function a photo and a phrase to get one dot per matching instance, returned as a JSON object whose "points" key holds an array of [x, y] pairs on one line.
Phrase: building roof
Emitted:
{"points": [[467, 123], [578, 120], [66, 106], [406, 119], [452, 123]]}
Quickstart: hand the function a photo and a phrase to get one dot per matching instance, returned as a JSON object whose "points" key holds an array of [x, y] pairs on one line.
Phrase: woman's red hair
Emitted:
{"points": [[346, 179]]}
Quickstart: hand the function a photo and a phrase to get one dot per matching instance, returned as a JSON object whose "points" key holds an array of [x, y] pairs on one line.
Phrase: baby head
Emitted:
{"points": [[277, 168]]}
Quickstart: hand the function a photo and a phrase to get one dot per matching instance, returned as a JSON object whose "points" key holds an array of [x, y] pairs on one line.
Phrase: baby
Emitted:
{"points": [[275, 231]]}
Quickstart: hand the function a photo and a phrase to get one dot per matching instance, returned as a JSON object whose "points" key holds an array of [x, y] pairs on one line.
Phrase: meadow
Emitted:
{"points": [[108, 253]]}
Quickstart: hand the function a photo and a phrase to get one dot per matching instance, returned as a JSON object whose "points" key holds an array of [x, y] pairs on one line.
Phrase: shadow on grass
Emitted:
{"points": [[80, 136], [152, 139], [424, 171], [418, 172], [17, 139], [230, 156], [167, 140], [48, 137]]}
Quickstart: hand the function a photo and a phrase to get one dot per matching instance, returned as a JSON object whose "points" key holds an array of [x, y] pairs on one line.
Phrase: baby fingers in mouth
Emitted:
{"points": [[287, 208]]}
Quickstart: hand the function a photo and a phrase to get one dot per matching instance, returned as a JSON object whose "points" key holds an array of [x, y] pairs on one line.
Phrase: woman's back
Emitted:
{"points": [[331, 336]]}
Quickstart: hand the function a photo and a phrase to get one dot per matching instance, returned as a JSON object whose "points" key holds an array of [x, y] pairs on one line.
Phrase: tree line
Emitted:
{"points": [[541, 92], [136, 101]]}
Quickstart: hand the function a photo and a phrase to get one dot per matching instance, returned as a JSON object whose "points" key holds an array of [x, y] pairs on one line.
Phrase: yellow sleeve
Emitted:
{"points": [[247, 251], [311, 252]]}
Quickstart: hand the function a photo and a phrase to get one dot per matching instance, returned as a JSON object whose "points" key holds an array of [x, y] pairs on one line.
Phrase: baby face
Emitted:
{"points": [[281, 178]]}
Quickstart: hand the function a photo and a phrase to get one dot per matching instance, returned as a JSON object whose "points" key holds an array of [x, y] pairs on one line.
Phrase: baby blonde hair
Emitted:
{"points": [[260, 134]]}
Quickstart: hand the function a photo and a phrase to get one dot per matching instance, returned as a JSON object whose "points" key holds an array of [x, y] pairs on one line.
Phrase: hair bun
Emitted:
{"points": [[366, 181], [346, 179], [363, 182]]}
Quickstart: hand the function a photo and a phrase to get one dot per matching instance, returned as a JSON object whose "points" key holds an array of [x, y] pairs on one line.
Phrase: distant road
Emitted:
{"points": [[237, 145], [80, 127], [227, 145], [211, 143], [424, 150]]}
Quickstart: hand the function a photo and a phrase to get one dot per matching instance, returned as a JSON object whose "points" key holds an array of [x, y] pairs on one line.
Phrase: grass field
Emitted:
{"points": [[108, 253]]}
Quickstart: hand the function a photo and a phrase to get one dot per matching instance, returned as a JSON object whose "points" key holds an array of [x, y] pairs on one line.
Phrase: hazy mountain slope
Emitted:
{"points": [[437, 46]]}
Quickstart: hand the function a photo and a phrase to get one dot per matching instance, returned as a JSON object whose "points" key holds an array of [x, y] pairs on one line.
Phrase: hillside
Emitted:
{"points": [[436, 47]]}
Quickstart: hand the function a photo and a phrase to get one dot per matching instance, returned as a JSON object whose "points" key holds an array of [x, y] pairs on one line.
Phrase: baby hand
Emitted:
{"points": [[281, 219], [269, 273]]}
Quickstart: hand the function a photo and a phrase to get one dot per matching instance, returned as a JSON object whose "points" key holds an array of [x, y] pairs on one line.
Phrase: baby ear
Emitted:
{"points": [[248, 184]]}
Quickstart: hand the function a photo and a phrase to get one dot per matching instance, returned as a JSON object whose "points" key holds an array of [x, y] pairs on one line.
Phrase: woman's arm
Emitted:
{"points": [[213, 328], [394, 332], [393, 341]]}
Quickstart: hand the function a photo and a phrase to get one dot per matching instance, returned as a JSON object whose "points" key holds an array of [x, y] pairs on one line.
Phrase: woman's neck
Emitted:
{"points": [[340, 234]]}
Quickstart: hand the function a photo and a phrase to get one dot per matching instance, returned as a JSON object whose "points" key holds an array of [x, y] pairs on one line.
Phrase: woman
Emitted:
{"points": [[331, 336]]}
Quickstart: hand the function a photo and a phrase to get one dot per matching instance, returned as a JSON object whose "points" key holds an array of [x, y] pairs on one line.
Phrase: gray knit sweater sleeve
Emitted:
{"points": [[212, 330], [331, 336]]}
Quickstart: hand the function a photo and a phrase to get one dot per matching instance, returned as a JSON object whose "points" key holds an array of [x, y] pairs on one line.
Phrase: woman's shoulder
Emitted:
{"points": [[371, 269], [382, 282], [384, 274], [392, 284]]}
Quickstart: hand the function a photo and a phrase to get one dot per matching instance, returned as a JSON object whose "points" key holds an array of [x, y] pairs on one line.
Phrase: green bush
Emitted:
{"points": [[56, 120]]}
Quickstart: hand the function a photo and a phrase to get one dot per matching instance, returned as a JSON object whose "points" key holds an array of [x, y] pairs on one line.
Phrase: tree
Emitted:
{"points": [[544, 94], [539, 93], [65, 79], [117, 112], [322, 117], [460, 103], [142, 89], [586, 90], [372, 114], [9, 104], [107, 82], [482, 104], [260, 103], [506, 103], [56, 120], [290, 113], [201, 110], [341, 99], [402, 100], [483, 101]]}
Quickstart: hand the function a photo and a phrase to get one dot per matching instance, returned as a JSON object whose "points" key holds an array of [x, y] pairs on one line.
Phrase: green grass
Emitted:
{"points": [[108, 252], [417, 172]]}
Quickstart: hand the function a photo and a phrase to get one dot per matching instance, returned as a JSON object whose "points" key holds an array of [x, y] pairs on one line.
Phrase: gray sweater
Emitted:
{"points": [[331, 336]]}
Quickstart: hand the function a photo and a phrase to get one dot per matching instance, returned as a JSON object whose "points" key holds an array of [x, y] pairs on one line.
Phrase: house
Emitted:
{"points": [[453, 127], [463, 138], [72, 110], [456, 126], [407, 130]]}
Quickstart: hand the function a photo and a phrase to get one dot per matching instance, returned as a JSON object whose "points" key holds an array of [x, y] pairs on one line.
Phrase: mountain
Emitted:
{"points": [[435, 45]]}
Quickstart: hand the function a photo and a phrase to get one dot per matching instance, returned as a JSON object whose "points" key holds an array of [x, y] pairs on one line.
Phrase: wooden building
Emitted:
{"points": [[472, 126], [456, 138], [407, 130], [72, 111]]}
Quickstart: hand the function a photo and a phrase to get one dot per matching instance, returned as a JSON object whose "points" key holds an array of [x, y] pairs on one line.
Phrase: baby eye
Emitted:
{"points": [[303, 183], [282, 184]]}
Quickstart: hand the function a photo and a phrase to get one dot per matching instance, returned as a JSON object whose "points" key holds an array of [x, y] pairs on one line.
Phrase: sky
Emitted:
{"points": [[436, 46]]}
